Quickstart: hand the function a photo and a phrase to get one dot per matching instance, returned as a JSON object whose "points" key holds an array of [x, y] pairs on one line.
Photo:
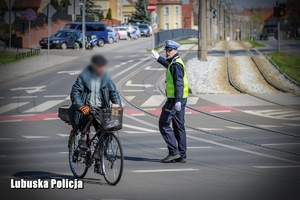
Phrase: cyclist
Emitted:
{"points": [[93, 89]]}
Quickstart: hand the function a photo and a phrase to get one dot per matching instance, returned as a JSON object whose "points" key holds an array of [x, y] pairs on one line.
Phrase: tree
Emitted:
{"points": [[141, 13], [60, 4], [293, 7], [108, 15]]}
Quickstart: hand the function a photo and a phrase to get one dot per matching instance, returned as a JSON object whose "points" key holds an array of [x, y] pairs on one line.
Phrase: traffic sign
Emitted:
{"points": [[52, 10], [29, 14], [11, 3], [12, 17], [151, 7]]}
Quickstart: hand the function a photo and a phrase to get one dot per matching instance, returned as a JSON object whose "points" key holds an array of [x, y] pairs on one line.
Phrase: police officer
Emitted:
{"points": [[174, 108]]}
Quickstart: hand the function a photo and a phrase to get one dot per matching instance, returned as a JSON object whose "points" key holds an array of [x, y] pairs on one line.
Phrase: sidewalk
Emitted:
{"points": [[32, 65]]}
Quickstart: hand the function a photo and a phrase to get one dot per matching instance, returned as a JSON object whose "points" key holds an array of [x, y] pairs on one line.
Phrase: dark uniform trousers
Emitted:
{"points": [[176, 137]]}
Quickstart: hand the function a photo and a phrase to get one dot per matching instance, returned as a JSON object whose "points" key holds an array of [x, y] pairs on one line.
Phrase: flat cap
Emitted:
{"points": [[171, 44]]}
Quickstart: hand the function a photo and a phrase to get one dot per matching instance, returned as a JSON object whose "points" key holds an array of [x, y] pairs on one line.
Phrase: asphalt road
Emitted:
{"points": [[225, 160]]}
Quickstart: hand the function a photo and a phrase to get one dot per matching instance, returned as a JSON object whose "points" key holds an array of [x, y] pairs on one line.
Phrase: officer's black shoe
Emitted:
{"points": [[98, 169], [82, 145], [170, 158], [181, 160]]}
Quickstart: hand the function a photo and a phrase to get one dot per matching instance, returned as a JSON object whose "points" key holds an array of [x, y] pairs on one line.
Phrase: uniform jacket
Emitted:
{"points": [[177, 73], [82, 88]]}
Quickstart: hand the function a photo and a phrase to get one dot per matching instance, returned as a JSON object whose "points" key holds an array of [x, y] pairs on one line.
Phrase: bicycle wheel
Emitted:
{"points": [[77, 160], [112, 159]]}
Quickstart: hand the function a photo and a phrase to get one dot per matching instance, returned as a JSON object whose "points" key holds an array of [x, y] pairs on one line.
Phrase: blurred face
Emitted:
{"points": [[98, 69], [170, 53]]}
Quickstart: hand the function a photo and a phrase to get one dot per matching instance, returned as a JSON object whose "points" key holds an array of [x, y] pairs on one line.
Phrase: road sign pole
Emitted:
{"points": [[278, 35], [9, 25], [152, 26], [48, 16], [83, 25], [29, 24]]}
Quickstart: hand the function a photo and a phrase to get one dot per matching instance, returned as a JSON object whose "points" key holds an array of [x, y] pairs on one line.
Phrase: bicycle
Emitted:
{"points": [[104, 147]]}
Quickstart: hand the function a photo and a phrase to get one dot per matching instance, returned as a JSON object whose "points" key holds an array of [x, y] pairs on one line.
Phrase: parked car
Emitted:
{"points": [[145, 30], [138, 32], [122, 31], [91, 28], [62, 39], [112, 36]]}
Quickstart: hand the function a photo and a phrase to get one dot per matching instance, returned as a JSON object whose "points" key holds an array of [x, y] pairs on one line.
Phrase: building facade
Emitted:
{"points": [[169, 13]]}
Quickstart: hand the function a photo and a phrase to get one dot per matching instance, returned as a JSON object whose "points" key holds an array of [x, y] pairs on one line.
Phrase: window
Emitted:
{"points": [[79, 27], [122, 29], [176, 25], [166, 10], [176, 10], [89, 27], [69, 26], [99, 27], [167, 26]]}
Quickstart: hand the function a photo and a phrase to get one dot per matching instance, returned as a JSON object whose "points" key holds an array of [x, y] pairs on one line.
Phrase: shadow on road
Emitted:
{"points": [[141, 159], [48, 175]]}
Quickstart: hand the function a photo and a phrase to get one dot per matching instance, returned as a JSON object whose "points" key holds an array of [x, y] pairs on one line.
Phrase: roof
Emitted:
{"points": [[168, 2], [22, 4]]}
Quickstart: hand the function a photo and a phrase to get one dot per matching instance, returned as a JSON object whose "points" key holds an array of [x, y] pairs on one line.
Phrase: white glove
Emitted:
{"points": [[155, 55], [178, 106]]}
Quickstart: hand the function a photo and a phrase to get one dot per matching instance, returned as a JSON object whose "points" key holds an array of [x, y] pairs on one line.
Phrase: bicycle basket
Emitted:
{"points": [[113, 120], [63, 113]]}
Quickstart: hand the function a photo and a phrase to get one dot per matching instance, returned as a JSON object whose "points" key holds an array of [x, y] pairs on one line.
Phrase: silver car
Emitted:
{"points": [[122, 31], [138, 32]]}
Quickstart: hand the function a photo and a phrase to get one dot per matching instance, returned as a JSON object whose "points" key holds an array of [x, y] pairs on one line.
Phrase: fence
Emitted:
{"points": [[30, 53], [175, 34]]}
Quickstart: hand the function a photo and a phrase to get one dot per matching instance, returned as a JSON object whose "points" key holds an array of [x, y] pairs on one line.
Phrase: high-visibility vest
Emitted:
{"points": [[170, 89]]}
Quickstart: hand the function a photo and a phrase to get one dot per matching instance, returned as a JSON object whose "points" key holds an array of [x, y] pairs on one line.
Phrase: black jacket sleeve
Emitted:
{"points": [[163, 61], [177, 72]]}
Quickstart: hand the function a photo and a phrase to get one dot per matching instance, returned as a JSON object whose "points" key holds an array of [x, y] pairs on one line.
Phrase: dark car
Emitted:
{"points": [[145, 29], [62, 39]]}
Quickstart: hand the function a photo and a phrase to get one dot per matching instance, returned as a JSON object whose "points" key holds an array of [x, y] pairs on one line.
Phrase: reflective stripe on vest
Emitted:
{"points": [[170, 89]]}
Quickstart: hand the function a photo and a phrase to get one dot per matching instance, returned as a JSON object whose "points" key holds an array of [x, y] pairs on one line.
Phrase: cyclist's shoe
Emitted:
{"points": [[98, 169], [82, 145], [170, 158], [181, 160]]}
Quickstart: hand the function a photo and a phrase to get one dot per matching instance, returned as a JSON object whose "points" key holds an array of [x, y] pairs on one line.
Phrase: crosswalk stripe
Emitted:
{"points": [[11, 106], [44, 106], [281, 112], [192, 100], [292, 124], [139, 128], [63, 135], [154, 101], [164, 170], [129, 98], [291, 115], [238, 127], [277, 167], [138, 132], [55, 96], [269, 126], [210, 129], [34, 137], [280, 144], [24, 97]]}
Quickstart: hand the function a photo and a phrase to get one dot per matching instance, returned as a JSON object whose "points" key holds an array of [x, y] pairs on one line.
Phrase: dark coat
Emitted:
{"points": [[177, 73], [82, 88]]}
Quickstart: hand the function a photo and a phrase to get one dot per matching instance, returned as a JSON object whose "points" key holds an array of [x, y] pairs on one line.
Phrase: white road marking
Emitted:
{"points": [[188, 113], [63, 152], [55, 96], [2, 139], [280, 112], [150, 109], [139, 128], [281, 144], [123, 63], [17, 120], [164, 170], [268, 126], [208, 147], [130, 84], [118, 56], [238, 127], [277, 167], [133, 90], [270, 115], [44, 106], [34, 137], [242, 150], [25, 115], [130, 61], [210, 129], [138, 114], [24, 97], [11, 106], [30, 90], [138, 132], [64, 135], [291, 115], [117, 66], [192, 100], [129, 98], [133, 56], [154, 101], [154, 69], [292, 124], [267, 111], [51, 118], [70, 72], [68, 98], [220, 111]]}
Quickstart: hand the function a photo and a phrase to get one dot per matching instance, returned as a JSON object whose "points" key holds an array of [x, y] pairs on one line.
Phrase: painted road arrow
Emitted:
{"points": [[70, 72], [156, 69], [129, 83], [30, 90]]}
